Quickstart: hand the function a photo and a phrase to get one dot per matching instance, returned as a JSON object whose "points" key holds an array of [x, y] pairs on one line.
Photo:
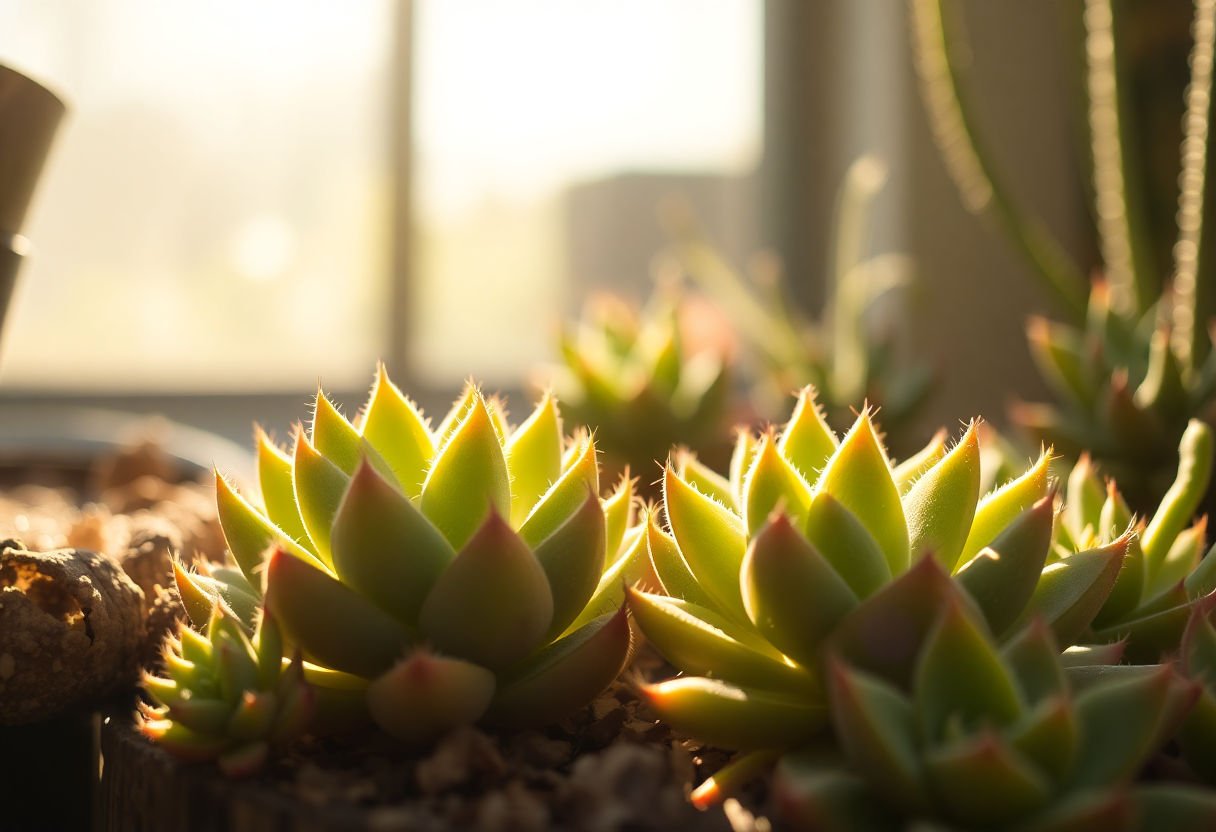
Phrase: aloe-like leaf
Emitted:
{"points": [[335, 438], [859, 476], [1034, 657], [728, 716], [1177, 807], [396, 429], [198, 713], [1089, 655], [497, 576], [941, 505], [710, 538], [1181, 559], [253, 716], [278, 492], [565, 675], [998, 509], [248, 533], [1162, 388], [701, 477], [573, 560], [632, 568], [885, 633], [236, 667], [847, 545], [384, 548], [319, 486], [1048, 736], [877, 728], [1116, 516], [469, 478], [182, 742], [1203, 579], [669, 565], [328, 620], [909, 471], [983, 782], [772, 482], [740, 462], [580, 475], [1060, 354], [197, 599], [618, 512], [729, 779], [960, 678], [534, 457], [702, 643], [1146, 709], [1198, 644], [791, 593], [423, 696], [816, 791], [1002, 578], [1092, 810], [807, 441], [1195, 452], [1072, 591], [1125, 596]]}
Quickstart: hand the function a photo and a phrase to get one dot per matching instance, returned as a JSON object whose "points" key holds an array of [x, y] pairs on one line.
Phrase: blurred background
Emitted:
{"points": [[249, 199]]}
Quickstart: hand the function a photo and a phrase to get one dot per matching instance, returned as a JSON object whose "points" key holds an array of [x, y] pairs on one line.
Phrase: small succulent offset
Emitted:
{"points": [[629, 378], [1165, 569], [1138, 361], [225, 696], [815, 541], [467, 572], [852, 354], [981, 736]]}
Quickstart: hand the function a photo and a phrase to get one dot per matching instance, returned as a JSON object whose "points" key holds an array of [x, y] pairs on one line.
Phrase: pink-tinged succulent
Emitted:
{"points": [[982, 736], [1165, 569], [815, 540], [225, 696], [632, 379], [468, 572]]}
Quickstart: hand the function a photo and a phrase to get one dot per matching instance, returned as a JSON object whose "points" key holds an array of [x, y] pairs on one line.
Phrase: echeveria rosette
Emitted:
{"points": [[984, 736], [815, 540], [633, 381], [1165, 569], [225, 696], [468, 572]]}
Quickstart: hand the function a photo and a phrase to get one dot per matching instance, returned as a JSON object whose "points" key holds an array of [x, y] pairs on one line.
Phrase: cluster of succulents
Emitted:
{"points": [[852, 355], [899, 645], [1137, 363], [631, 378]]}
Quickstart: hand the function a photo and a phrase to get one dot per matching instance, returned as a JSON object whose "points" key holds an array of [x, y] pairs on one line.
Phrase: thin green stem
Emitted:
{"points": [[972, 168]]}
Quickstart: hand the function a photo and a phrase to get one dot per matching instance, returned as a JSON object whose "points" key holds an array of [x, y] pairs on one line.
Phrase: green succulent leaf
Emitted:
{"points": [[1002, 578], [807, 441], [983, 782], [960, 678], [1084, 498], [1126, 595], [859, 476], [1195, 452], [618, 514], [740, 462], [335, 438], [319, 487], [328, 620], [702, 643], [704, 479], [423, 696], [1116, 516], [1072, 591], [278, 491], [468, 480], [711, 540], [997, 510], [1034, 657], [534, 457], [669, 566], [1174, 806], [384, 548], [569, 492], [498, 577], [728, 716], [396, 429], [941, 505], [1049, 737], [844, 542], [573, 560], [790, 591], [630, 569], [771, 483], [564, 675], [248, 533], [910, 470]]}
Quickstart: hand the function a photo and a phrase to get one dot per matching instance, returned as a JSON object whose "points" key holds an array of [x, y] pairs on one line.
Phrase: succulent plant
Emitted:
{"points": [[467, 572], [852, 354], [981, 736], [1197, 659], [814, 541], [225, 696], [1165, 569], [631, 379], [1138, 362]]}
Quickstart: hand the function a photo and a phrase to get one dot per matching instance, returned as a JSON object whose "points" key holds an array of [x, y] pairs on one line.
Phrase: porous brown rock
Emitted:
{"points": [[72, 627]]}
